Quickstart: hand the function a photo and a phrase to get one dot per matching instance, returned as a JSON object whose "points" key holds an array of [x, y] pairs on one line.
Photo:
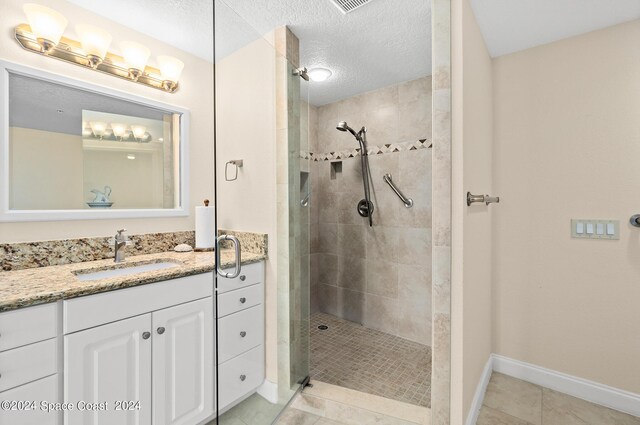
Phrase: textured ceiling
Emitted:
{"points": [[512, 25], [382, 43]]}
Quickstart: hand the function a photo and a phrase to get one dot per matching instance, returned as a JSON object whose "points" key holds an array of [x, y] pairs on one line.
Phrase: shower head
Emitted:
{"points": [[343, 126]]}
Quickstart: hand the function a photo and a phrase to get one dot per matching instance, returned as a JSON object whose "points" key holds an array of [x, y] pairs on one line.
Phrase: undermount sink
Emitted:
{"points": [[124, 271]]}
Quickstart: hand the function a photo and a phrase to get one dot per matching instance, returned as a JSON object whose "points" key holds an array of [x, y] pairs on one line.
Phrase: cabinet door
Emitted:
{"points": [[109, 363], [183, 363]]}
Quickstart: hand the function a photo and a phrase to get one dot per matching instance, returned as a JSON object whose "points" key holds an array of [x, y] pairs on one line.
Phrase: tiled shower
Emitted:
{"points": [[378, 277]]}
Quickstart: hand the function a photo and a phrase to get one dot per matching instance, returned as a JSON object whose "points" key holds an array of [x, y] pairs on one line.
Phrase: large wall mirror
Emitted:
{"points": [[74, 151]]}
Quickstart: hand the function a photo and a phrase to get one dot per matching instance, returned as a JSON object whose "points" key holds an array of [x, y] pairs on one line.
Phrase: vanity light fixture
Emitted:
{"points": [[135, 56], [46, 24], [139, 131], [98, 128], [319, 74], [95, 43], [118, 130], [44, 34], [170, 70]]}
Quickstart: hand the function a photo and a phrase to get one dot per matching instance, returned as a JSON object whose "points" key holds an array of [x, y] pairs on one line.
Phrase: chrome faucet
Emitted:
{"points": [[121, 241]]}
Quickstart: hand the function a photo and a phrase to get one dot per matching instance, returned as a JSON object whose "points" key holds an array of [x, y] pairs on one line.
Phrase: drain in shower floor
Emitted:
{"points": [[323, 327]]}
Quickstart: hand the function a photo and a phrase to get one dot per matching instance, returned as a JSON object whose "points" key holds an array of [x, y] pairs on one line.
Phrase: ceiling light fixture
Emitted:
{"points": [[44, 34], [319, 74]]}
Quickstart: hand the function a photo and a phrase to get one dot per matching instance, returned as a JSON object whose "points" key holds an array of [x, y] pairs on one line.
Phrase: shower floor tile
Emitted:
{"points": [[352, 356]]}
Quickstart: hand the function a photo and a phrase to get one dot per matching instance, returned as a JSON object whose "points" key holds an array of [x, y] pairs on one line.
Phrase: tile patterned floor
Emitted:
{"points": [[510, 401], [362, 359]]}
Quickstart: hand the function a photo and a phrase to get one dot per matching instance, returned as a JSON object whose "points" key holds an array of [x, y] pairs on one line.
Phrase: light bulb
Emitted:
{"points": [[319, 74], [46, 24], [118, 130], [98, 128], [135, 56], [131, 156], [95, 42], [138, 131], [170, 70]]}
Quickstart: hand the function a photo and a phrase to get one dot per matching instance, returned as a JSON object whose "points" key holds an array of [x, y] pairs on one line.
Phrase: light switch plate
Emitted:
{"points": [[605, 225]]}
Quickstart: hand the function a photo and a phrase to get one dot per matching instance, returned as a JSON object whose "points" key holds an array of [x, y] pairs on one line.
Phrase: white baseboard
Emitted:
{"points": [[269, 391], [478, 397], [594, 392]]}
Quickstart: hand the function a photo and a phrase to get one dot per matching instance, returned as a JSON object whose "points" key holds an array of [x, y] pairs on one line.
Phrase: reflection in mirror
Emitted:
{"points": [[71, 149]]}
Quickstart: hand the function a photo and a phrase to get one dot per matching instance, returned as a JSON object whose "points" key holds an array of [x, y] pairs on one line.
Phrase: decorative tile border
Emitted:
{"points": [[371, 150]]}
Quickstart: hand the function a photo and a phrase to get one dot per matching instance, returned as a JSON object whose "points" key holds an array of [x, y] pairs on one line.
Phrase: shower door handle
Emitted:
{"points": [[238, 255]]}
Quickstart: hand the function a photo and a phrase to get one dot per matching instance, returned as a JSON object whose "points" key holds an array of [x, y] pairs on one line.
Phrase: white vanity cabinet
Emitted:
{"points": [[161, 358], [29, 364], [241, 327]]}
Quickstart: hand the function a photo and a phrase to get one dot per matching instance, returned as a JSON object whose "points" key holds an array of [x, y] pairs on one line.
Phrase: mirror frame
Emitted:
{"points": [[10, 215]]}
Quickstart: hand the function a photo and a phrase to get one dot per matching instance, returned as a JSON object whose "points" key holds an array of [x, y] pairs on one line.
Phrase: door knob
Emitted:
{"points": [[243, 278], [243, 377], [161, 330], [243, 334], [146, 335], [243, 300]]}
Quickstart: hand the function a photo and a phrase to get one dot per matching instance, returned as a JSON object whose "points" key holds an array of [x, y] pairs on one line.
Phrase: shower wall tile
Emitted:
{"points": [[414, 246], [414, 89], [346, 208], [382, 243], [412, 122], [414, 285], [374, 286], [327, 238], [352, 273], [351, 240], [351, 305], [328, 299], [382, 278], [381, 313], [328, 269]]}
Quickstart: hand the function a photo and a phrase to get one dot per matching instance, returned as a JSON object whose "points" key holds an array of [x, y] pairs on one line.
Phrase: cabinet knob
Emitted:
{"points": [[243, 300], [243, 334], [161, 330], [146, 335], [243, 278], [243, 377]]}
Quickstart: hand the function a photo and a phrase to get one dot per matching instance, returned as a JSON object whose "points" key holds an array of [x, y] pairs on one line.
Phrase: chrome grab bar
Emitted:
{"points": [[238, 265], [471, 199], [408, 202]]}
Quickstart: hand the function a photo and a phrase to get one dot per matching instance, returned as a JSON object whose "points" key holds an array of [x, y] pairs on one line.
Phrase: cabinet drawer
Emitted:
{"points": [[28, 325], [43, 390], [94, 310], [249, 275], [239, 332], [232, 386], [28, 363], [240, 299]]}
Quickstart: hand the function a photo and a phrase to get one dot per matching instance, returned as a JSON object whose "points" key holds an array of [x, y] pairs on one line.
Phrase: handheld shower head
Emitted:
{"points": [[343, 126]]}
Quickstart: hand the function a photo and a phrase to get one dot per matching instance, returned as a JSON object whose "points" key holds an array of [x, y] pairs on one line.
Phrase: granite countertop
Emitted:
{"points": [[28, 287]]}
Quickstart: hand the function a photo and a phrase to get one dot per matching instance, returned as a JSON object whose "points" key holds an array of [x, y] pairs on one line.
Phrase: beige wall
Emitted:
{"points": [[567, 146], [472, 238], [245, 109], [195, 94], [46, 170]]}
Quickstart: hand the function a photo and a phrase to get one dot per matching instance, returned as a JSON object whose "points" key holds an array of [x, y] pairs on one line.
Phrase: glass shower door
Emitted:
{"points": [[262, 181]]}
